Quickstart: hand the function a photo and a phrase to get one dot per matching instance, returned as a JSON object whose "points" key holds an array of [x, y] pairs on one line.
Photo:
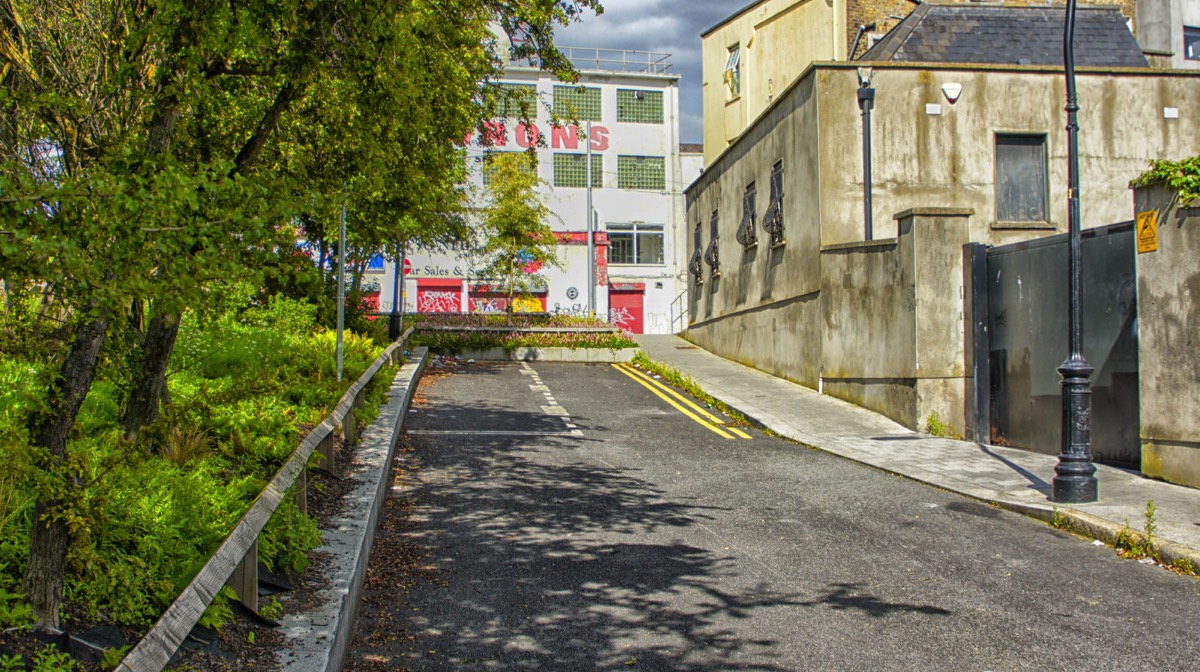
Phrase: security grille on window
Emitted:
{"points": [[636, 243], [639, 107], [582, 102], [1021, 178], [528, 164], [746, 234], [710, 255], [694, 266], [570, 170], [514, 100], [773, 219], [641, 172], [1191, 43], [733, 72]]}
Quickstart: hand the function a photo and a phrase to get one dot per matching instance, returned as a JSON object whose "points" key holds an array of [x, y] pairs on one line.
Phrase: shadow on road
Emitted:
{"points": [[542, 558]]}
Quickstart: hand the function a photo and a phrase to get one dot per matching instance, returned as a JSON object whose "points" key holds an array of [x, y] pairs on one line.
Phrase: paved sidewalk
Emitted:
{"points": [[1013, 479]]}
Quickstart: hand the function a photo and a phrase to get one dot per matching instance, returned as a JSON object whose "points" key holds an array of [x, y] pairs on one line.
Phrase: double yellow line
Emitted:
{"points": [[682, 404]]}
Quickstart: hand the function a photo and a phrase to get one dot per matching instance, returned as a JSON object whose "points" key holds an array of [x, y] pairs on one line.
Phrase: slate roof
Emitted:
{"points": [[997, 34]]}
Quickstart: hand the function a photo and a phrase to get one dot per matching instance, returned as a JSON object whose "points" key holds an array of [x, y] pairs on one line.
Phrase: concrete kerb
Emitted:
{"points": [[318, 640], [1070, 519]]}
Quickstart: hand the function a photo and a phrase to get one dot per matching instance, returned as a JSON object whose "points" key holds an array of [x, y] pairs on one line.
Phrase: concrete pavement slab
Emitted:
{"points": [[1011, 478]]}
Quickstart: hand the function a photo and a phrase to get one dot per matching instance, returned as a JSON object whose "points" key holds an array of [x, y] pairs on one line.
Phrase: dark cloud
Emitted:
{"points": [[670, 26]]}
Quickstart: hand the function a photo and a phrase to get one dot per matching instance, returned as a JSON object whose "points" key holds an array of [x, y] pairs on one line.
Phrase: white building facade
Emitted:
{"points": [[627, 104]]}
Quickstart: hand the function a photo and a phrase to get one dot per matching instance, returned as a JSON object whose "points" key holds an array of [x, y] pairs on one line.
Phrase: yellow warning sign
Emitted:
{"points": [[1147, 231]]}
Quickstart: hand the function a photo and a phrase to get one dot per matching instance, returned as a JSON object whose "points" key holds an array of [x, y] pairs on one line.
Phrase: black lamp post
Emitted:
{"points": [[866, 101], [1075, 475], [394, 320]]}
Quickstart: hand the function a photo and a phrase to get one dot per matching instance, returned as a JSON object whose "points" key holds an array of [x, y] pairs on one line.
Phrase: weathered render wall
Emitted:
{"points": [[761, 310], [1169, 339], [948, 159], [775, 309], [893, 337]]}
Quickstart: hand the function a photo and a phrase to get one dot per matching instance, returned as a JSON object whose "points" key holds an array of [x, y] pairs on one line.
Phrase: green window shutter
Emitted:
{"points": [[641, 172], [510, 98], [639, 107], [581, 101], [570, 170]]}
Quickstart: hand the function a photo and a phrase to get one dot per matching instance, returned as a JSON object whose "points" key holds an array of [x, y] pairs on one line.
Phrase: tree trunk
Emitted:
{"points": [[46, 571], [150, 377]]}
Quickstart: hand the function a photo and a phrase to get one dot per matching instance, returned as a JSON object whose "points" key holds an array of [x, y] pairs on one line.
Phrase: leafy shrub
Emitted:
{"points": [[241, 380]]}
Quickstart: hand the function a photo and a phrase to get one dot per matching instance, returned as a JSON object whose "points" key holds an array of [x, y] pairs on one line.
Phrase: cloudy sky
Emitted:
{"points": [[671, 26]]}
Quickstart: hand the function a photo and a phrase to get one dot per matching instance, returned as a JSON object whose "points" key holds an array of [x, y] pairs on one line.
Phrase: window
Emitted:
{"points": [[1191, 43], [570, 170], [694, 266], [640, 107], [1021, 178], [746, 234], [733, 72], [710, 255], [773, 219], [641, 172], [582, 102], [528, 163], [513, 100], [635, 243]]}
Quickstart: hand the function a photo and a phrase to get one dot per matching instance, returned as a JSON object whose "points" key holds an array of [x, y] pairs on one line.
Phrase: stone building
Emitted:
{"points": [[968, 148]]}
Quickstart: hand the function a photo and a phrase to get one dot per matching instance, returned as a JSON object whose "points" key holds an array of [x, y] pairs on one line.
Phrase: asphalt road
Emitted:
{"points": [[567, 518]]}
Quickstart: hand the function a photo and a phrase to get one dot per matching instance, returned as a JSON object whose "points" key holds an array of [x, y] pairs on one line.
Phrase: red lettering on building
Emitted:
{"points": [[599, 138], [528, 135], [494, 134], [564, 137]]}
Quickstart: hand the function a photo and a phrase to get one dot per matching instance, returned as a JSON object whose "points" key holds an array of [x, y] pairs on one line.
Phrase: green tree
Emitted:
{"points": [[517, 242], [149, 148]]}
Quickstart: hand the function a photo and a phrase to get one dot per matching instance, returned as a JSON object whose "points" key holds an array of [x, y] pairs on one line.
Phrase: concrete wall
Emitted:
{"points": [[761, 309], [1169, 339], [1160, 28], [893, 338], [780, 309], [930, 152]]}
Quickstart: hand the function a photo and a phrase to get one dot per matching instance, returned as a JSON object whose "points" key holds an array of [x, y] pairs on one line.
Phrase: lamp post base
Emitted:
{"points": [[1074, 481], [1075, 475], [394, 324]]}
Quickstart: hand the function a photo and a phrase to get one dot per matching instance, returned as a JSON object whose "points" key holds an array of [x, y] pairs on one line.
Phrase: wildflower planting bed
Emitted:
{"points": [[244, 387]]}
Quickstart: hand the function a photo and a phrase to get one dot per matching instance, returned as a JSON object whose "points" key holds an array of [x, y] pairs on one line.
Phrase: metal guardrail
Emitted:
{"points": [[679, 316], [236, 561], [614, 60]]}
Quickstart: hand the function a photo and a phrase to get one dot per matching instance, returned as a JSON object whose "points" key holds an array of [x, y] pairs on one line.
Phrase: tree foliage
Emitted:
{"points": [[516, 239], [1183, 176], [151, 147]]}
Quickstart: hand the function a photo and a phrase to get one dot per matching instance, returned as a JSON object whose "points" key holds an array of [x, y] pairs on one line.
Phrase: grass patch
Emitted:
{"points": [[685, 383]]}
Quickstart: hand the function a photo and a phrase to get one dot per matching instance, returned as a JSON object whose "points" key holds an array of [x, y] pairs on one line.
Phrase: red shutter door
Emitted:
{"points": [[626, 305], [439, 296]]}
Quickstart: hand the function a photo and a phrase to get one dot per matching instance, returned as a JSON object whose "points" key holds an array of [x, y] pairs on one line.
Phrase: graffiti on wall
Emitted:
{"points": [[620, 317], [438, 302]]}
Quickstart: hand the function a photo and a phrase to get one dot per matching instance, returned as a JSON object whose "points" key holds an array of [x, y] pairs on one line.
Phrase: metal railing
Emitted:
{"points": [[236, 561], [679, 312], [613, 60]]}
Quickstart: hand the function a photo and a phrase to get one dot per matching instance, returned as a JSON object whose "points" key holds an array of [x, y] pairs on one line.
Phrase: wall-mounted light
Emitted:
{"points": [[952, 90]]}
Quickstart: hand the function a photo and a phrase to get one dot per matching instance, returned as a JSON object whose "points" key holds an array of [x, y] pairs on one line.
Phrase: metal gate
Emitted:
{"points": [[1020, 303]]}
